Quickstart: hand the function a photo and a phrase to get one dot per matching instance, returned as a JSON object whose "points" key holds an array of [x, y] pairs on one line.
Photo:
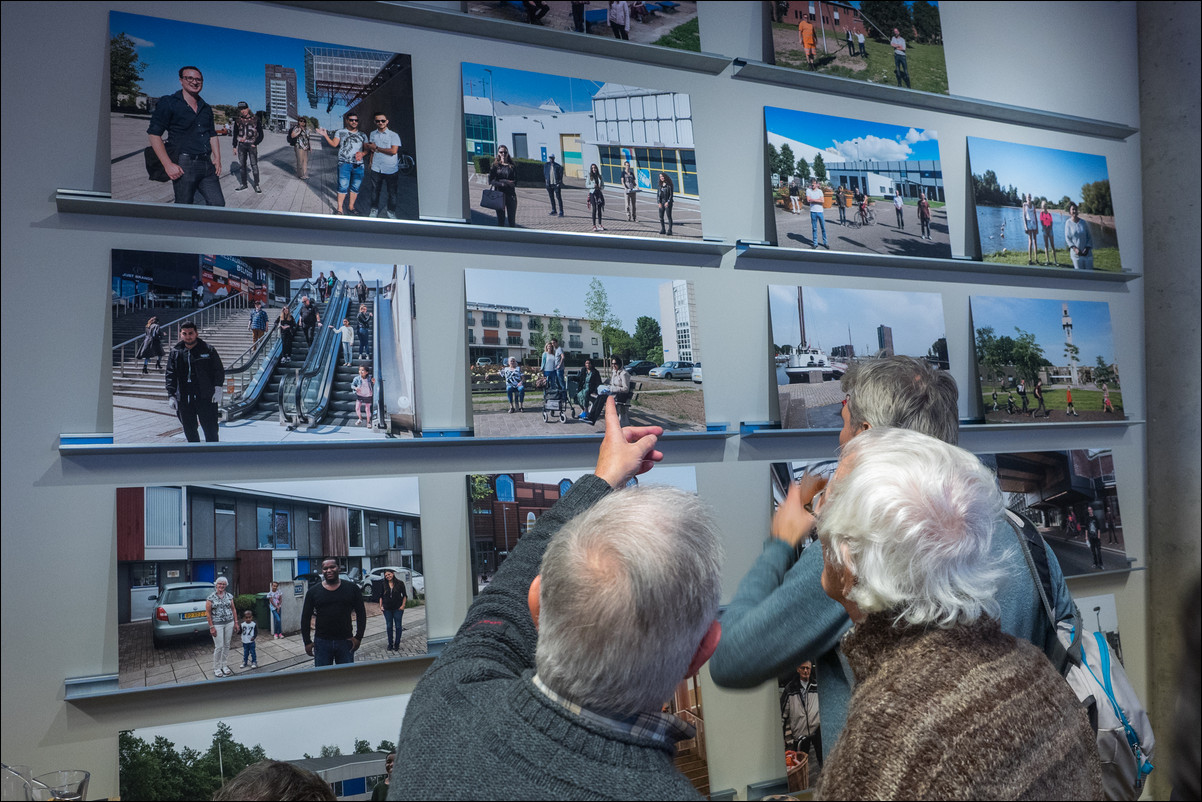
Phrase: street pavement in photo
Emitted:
{"points": [[141, 664], [534, 211], [492, 418], [881, 237], [811, 406], [282, 190]]}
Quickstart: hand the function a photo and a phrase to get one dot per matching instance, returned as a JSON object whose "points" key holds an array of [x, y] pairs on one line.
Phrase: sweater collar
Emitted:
{"points": [[664, 728], [870, 642]]}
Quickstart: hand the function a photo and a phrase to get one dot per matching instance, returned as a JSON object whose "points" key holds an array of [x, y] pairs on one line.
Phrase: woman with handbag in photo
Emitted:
{"points": [[392, 606], [663, 197], [151, 346], [596, 197], [502, 177]]}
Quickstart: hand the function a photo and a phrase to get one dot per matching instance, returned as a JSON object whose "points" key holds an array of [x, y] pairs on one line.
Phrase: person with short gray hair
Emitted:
{"points": [[556, 681], [907, 528], [780, 617]]}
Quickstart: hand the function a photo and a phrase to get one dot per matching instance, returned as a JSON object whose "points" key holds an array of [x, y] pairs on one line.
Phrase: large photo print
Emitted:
{"points": [[546, 351], [818, 333], [220, 117], [666, 23], [225, 348], [887, 42], [853, 185], [573, 154], [216, 581]]}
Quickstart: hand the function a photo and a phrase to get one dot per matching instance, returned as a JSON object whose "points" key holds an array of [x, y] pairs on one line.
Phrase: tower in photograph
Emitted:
{"points": [[1066, 323], [884, 340], [678, 321], [280, 89]]}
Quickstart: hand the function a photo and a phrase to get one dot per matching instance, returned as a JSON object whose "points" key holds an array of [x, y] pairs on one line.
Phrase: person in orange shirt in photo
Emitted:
{"points": [[805, 35]]}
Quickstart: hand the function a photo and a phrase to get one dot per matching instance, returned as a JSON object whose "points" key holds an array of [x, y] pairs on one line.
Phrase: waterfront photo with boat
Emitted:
{"points": [[819, 333]]}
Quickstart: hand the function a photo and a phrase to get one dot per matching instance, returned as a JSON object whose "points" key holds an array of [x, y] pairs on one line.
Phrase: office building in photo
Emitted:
{"points": [[497, 332], [678, 322], [880, 179], [351, 777], [336, 75], [652, 130], [884, 340], [280, 88], [195, 533]]}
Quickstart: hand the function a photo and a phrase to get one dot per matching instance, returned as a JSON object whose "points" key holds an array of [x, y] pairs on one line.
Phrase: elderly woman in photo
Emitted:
{"points": [[945, 704], [223, 625], [1078, 239], [515, 385]]}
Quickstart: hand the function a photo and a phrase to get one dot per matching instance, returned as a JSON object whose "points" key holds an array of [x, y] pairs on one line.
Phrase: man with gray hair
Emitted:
{"points": [[553, 687], [780, 615]]}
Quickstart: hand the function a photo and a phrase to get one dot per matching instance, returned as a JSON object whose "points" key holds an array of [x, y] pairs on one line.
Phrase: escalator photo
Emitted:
{"points": [[217, 348]]}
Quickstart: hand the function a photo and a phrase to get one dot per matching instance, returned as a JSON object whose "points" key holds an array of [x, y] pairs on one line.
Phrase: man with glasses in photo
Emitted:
{"points": [[350, 142], [191, 154], [384, 149], [247, 133]]}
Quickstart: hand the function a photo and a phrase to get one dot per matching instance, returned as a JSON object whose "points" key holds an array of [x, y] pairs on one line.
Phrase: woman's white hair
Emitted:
{"points": [[629, 588], [912, 518]]}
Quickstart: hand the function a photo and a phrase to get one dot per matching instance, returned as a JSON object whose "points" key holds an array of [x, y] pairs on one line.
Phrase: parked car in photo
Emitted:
{"points": [[696, 373], [483, 361], [180, 611], [314, 578], [376, 575], [640, 367], [673, 370]]}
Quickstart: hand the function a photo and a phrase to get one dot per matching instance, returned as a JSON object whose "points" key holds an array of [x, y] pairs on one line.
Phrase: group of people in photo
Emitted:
{"points": [[185, 141], [586, 389]]}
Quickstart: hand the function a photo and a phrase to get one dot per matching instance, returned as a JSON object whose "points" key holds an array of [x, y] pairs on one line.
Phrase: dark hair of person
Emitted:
{"points": [[618, 360], [275, 779], [182, 70], [668, 180], [187, 324], [153, 320], [508, 158], [594, 170]]}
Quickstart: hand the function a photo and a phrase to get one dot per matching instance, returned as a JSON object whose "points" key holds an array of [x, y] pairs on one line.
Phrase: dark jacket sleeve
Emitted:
{"points": [[169, 374], [218, 370], [360, 615], [306, 618], [498, 627]]}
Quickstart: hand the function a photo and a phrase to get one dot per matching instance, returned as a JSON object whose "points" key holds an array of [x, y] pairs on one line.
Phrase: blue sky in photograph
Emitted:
{"points": [[289, 734], [524, 88], [915, 317], [629, 298], [231, 61], [1041, 317], [680, 476], [843, 139], [1038, 171], [398, 493]]}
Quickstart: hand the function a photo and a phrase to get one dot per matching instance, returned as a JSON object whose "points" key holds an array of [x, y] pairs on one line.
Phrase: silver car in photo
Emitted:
{"points": [[180, 611]]}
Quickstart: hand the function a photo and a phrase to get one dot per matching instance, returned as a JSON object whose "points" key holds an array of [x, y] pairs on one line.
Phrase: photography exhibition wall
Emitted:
{"points": [[74, 244]]}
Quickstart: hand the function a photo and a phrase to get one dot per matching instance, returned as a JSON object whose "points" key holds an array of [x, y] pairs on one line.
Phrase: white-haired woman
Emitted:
{"points": [[945, 704], [223, 625]]}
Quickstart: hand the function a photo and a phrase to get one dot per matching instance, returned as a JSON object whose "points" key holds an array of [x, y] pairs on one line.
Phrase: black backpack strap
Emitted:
{"points": [[1032, 546]]}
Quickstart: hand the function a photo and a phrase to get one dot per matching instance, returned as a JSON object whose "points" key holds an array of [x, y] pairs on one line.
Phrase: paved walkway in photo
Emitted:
{"points": [[883, 237], [141, 664], [811, 406], [282, 190], [141, 420], [492, 418], [534, 211]]}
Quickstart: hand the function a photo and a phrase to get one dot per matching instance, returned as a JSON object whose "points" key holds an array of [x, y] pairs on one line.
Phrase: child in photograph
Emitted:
{"points": [[348, 340], [275, 602], [995, 400], [1070, 408], [364, 387], [1010, 403], [1049, 241], [249, 630], [1106, 405]]}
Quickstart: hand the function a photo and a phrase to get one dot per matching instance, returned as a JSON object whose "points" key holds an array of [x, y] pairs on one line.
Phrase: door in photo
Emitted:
{"points": [[573, 162], [520, 149]]}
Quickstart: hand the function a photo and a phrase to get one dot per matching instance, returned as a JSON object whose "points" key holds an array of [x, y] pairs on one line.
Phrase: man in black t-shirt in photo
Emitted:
{"points": [[333, 601]]}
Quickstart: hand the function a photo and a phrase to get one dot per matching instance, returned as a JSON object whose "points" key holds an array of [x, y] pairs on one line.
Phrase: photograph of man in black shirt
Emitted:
{"points": [[333, 601]]}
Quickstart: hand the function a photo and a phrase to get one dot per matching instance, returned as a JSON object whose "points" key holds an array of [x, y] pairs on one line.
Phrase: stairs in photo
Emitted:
{"points": [[692, 765], [268, 407]]}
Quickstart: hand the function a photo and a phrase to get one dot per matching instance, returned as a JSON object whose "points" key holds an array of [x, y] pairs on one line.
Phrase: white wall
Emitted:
{"points": [[58, 512]]}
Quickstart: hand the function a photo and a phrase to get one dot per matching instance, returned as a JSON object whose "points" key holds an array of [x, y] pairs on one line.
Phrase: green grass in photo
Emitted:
{"points": [[686, 36], [928, 71], [1054, 400], [1106, 259]]}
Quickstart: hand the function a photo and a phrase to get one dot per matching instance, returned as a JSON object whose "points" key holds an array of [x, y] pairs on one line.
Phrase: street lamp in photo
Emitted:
{"points": [[492, 108]]}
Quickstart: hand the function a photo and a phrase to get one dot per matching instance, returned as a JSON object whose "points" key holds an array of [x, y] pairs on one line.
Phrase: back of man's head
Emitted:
{"points": [[903, 393], [629, 589]]}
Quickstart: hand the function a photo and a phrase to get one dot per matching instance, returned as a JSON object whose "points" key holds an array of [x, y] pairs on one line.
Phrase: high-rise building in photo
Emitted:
{"points": [[884, 340], [280, 89]]}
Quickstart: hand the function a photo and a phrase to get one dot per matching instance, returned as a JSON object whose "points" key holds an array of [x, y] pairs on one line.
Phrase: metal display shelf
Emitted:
{"points": [[426, 234], [756, 256], [949, 104], [518, 32]]}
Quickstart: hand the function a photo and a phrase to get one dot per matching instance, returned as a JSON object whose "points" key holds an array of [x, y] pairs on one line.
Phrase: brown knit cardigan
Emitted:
{"points": [[961, 713]]}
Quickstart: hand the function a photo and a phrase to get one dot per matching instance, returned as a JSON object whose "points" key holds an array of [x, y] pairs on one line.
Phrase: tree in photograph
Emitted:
{"points": [[330, 750], [927, 29], [155, 770], [619, 343], [125, 72], [1027, 355], [555, 326], [803, 170], [884, 16], [537, 339], [1095, 199], [385, 746], [479, 488], [362, 747], [774, 160], [819, 168], [785, 162], [1102, 372], [1072, 353], [599, 313], [779, 9], [783, 350], [649, 339], [1064, 202]]}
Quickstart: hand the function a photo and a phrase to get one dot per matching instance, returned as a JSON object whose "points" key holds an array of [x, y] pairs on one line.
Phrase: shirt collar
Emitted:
{"points": [[663, 727]]}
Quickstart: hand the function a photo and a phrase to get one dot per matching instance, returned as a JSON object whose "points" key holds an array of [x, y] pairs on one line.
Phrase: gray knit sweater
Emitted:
{"points": [[477, 728], [961, 713]]}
